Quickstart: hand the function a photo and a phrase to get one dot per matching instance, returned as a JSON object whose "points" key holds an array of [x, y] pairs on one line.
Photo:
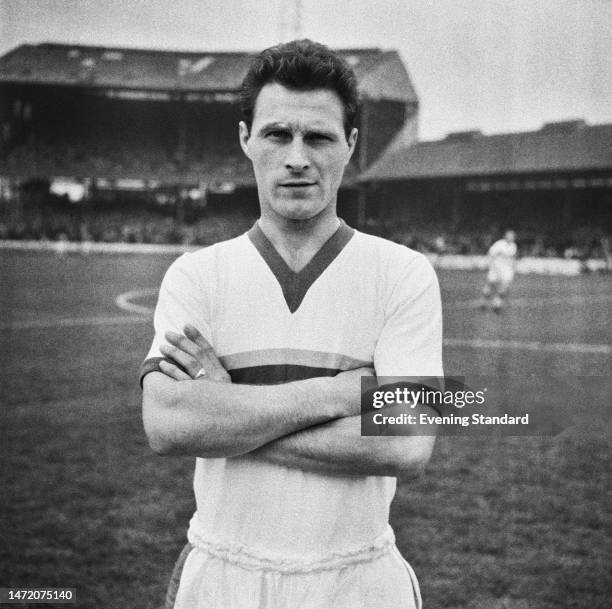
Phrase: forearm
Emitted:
{"points": [[207, 419], [338, 448]]}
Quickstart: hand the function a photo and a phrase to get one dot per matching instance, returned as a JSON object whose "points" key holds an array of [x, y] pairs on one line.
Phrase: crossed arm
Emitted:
{"points": [[312, 424], [339, 448]]}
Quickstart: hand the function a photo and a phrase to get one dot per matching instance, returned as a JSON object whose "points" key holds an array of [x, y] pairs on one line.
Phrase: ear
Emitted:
{"points": [[243, 136], [352, 142]]}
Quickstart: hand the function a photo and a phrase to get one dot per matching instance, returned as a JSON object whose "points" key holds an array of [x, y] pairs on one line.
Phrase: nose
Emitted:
{"points": [[297, 157]]}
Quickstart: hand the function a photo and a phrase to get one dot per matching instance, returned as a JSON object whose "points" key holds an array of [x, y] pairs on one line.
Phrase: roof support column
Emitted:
{"points": [[456, 204], [362, 200], [180, 154], [567, 211], [362, 161]]}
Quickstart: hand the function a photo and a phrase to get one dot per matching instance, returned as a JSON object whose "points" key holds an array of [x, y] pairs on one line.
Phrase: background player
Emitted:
{"points": [[502, 263]]}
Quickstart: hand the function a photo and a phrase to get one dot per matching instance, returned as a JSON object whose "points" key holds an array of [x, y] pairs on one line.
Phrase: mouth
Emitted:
{"points": [[297, 184]]}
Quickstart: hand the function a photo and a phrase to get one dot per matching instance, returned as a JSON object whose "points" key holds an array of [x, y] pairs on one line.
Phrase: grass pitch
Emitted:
{"points": [[496, 523]]}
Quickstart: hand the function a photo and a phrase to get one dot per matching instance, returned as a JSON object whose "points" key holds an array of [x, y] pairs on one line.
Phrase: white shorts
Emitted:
{"points": [[227, 580], [500, 277]]}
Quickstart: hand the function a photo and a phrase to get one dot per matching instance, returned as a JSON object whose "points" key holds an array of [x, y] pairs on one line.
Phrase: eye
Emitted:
{"points": [[278, 135], [318, 138]]}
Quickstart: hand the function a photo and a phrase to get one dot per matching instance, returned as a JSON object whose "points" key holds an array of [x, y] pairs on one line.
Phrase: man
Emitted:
{"points": [[502, 261], [260, 344]]}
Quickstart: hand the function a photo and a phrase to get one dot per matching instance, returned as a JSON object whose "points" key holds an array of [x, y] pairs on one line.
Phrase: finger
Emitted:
{"points": [[205, 349], [173, 371], [195, 335], [189, 363], [183, 343]]}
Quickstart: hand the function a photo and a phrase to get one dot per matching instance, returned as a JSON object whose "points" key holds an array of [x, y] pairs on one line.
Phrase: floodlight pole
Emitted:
{"points": [[290, 25]]}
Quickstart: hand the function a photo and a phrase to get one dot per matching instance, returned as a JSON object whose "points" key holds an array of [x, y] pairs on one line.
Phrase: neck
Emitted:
{"points": [[297, 241]]}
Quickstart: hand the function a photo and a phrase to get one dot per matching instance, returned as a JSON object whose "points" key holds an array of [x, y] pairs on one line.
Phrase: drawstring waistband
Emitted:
{"points": [[251, 559]]}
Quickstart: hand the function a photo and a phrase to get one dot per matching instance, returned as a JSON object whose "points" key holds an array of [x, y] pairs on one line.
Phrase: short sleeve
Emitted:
{"points": [[410, 343], [182, 300], [497, 249]]}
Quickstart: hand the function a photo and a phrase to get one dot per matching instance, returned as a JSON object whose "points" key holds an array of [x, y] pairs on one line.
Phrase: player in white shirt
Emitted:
{"points": [[502, 263], [260, 344]]}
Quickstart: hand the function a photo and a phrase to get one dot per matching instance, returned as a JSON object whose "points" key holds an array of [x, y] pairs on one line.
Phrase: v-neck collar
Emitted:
{"points": [[296, 285]]}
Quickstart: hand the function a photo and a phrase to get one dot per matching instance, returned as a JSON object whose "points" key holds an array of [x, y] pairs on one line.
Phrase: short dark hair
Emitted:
{"points": [[301, 65]]}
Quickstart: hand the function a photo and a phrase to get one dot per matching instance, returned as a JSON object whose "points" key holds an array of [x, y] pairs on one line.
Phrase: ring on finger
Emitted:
{"points": [[200, 373]]}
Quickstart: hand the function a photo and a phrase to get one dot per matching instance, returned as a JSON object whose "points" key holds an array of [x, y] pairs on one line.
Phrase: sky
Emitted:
{"points": [[495, 65]]}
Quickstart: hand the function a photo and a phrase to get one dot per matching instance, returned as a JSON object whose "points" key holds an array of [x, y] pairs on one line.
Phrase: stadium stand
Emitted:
{"points": [[115, 144], [553, 186], [152, 134]]}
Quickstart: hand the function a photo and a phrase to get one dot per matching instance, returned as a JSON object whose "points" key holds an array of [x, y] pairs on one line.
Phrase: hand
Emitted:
{"points": [[193, 352]]}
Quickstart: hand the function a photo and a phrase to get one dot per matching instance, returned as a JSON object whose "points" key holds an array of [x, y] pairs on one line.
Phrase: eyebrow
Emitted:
{"points": [[287, 127], [274, 125]]}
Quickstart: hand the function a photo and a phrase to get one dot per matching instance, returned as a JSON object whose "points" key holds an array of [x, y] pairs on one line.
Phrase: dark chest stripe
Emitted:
{"points": [[299, 357], [295, 285], [275, 374]]}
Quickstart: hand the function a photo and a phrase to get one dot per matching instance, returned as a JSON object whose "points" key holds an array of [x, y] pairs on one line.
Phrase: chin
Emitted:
{"points": [[298, 210], [296, 216]]}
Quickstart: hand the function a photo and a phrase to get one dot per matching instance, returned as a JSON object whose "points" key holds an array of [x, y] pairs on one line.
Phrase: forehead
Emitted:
{"points": [[314, 108]]}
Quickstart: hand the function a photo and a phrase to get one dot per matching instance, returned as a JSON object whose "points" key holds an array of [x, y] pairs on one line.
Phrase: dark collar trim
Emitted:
{"points": [[296, 285]]}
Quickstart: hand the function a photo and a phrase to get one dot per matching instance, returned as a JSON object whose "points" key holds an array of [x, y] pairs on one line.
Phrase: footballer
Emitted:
{"points": [[260, 344], [502, 265]]}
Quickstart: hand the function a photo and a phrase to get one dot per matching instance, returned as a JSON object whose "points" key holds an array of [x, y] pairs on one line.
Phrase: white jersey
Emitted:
{"points": [[361, 301]]}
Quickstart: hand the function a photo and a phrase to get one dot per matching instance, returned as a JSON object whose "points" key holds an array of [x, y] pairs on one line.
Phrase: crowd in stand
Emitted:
{"points": [[86, 157], [582, 243], [116, 139], [143, 226], [117, 227], [145, 147]]}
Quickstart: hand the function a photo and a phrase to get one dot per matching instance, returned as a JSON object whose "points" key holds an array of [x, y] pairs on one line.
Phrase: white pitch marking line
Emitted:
{"points": [[124, 301], [533, 302], [70, 322], [478, 343], [514, 345]]}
